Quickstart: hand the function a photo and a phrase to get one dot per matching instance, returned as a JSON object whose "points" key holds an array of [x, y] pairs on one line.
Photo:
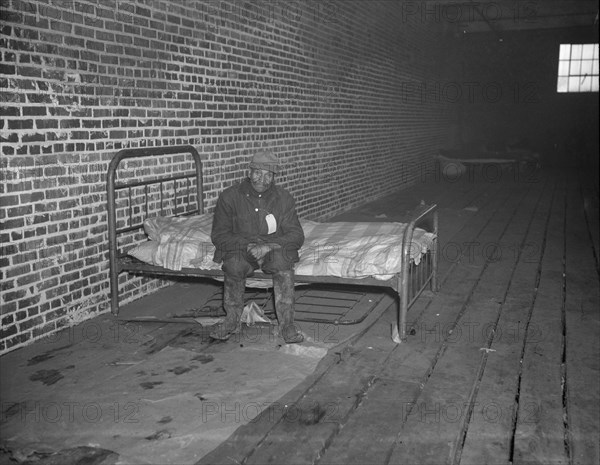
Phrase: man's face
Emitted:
{"points": [[261, 180]]}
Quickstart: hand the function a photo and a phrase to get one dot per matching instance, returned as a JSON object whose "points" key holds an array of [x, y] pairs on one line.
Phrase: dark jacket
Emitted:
{"points": [[240, 219]]}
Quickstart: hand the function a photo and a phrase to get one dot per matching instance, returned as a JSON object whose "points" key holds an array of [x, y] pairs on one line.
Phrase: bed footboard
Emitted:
{"points": [[413, 280]]}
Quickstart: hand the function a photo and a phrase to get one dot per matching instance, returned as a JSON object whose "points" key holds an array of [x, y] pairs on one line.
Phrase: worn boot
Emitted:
{"points": [[283, 287], [233, 303]]}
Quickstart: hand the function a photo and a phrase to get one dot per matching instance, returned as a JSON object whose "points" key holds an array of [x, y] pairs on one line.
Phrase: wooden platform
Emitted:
{"points": [[503, 363]]}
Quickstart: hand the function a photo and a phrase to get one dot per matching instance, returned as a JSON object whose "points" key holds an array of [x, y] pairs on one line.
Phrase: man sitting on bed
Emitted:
{"points": [[255, 226]]}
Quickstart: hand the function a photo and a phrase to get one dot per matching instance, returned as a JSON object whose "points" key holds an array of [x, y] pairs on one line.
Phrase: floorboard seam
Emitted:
{"points": [[511, 457], [563, 315], [444, 344], [455, 457]]}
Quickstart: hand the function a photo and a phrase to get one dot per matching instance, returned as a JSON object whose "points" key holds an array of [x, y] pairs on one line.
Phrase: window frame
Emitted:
{"points": [[577, 68]]}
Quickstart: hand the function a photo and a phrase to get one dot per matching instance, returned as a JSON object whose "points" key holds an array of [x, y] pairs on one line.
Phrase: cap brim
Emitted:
{"points": [[265, 166]]}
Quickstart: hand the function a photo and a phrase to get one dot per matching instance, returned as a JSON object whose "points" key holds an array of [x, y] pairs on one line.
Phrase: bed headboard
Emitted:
{"points": [[133, 198]]}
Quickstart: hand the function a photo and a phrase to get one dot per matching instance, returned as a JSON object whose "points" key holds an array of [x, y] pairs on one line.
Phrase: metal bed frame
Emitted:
{"points": [[407, 284]]}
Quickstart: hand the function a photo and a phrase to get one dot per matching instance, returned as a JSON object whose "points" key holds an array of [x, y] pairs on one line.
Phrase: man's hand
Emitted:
{"points": [[259, 251]]}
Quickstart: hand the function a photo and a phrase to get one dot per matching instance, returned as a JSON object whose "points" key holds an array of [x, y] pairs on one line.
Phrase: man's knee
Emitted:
{"points": [[276, 261], [237, 268]]}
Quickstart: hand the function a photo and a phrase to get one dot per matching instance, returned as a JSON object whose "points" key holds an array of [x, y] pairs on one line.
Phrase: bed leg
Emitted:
{"points": [[114, 305], [399, 329], [114, 293], [403, 312], [434, 271], [435, 251]]}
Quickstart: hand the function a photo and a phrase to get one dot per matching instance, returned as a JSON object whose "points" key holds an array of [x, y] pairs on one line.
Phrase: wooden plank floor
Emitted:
{"points": [[502, 365]]}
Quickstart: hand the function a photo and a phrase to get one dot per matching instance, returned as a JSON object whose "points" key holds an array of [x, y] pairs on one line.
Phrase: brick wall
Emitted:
{"points": [[328, 84]]}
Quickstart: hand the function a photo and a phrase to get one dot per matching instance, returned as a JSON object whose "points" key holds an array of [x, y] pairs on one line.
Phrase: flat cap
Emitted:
{"points": [[265, 160]]}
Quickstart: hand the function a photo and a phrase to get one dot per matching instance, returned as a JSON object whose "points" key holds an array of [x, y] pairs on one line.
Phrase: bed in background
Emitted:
{"points": [[490, 154], [157, 226]]}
